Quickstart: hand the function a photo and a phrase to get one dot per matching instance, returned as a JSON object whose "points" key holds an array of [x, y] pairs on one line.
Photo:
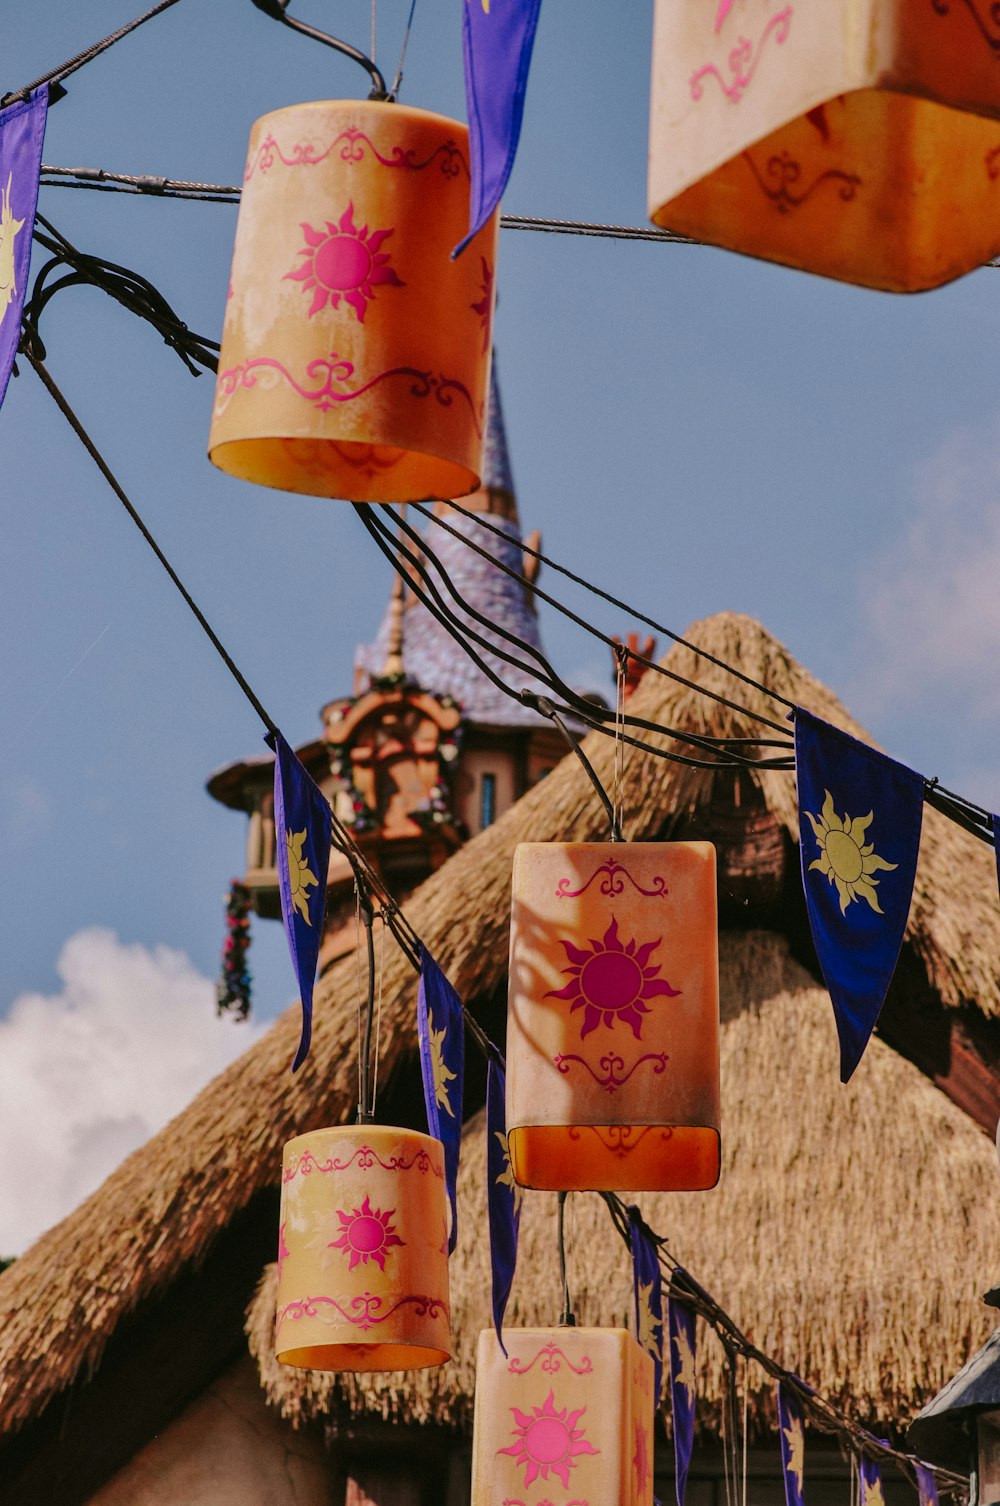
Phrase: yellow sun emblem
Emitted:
{"points": [[685, 1376], [873, 1492], [506, 1177], [300, 876], [796, 1451], [442, 1073], [648, 1322], [845, 858], [9, 228]]}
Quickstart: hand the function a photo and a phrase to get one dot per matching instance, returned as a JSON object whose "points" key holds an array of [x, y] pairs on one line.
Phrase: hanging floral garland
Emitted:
{"points": [[232, 994]]}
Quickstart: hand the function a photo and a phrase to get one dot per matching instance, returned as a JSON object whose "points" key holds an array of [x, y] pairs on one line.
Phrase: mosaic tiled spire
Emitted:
{"points": [[430, 655]]}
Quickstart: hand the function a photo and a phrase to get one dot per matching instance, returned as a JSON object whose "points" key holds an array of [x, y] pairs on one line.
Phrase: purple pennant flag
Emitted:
{"points": [[303, 830], [497, 38], [859, 834], [22, 131], [647, 1284], [871, 1483], [926, 1486], [503, 1197], [441, 1033], [681, 1328], [793, 1444]]}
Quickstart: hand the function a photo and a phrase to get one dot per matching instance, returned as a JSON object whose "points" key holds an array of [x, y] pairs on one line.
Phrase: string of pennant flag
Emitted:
{"points": [[860, 811]]}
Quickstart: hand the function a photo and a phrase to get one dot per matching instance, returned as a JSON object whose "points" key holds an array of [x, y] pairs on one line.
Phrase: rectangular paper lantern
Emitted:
{"points": [[613, 1017], [565, 1416], [854, 138]]}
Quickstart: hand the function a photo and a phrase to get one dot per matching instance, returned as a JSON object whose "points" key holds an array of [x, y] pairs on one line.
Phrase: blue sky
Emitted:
{"points": [[694, 430]]}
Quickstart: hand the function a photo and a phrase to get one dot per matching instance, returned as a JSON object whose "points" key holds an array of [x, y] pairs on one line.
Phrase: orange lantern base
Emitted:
{"points": [[363, 1251], [566, 1414], [613, 1017], [355, 353], [858, 139]]}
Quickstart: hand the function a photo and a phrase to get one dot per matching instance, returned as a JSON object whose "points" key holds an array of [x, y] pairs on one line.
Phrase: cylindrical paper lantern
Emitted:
{"points": [[363, 1251], [355, 353], [854, 138], [613, 1017], [565, 1415]]}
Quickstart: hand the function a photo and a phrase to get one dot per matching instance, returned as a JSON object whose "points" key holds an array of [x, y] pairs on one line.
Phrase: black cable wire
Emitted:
{"points": [[56, 75], [622, 606], [278, 11], [596, 632], [397, 81], [106, 472], [582, 710]]}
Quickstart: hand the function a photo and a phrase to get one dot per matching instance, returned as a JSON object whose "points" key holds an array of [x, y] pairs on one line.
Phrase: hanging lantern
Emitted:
{"points": [[854, 138], [567, 1412], [355, 353], [363, 1251], [613, 1017]]}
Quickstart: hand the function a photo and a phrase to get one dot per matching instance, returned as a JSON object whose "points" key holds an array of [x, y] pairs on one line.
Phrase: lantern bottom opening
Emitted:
{"points": [[877, 187], [341, 468], [615, 1157], [363, 1356]]}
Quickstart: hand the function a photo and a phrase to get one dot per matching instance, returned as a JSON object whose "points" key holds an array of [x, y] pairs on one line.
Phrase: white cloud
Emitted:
{"points": [[88, 1074], [929, 605]]}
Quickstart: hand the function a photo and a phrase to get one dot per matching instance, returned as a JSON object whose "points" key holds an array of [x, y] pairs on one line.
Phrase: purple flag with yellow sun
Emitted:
{"points": [[647, 1287], [681, 1327], [303, 831], [22, 130], [441, 1034], [503, 1196], [859, 834], [793, 1444], [871, 1483], [926, 1486], [497, 38]]}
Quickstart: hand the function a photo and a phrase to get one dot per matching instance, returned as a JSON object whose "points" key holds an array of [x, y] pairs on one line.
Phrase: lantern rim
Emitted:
{"points": [[366, 106], [398, 1355], [430, 1143], [542, 1155], [460, 482]]}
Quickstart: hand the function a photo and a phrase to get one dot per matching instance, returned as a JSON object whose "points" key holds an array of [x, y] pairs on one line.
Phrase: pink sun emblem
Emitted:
{"points": [[366, 1234], [549, 1440], [612, 981], [343, 261]]}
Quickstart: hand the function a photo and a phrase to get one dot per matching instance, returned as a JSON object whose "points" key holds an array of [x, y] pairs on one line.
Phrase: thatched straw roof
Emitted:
{"points": [[167, 1207], [851, 1233]]}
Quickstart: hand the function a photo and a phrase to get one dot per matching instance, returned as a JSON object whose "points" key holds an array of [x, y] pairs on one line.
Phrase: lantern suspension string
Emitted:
{"points": [[579, 580], [397, 81], [568, 1319], [366, 1112], [544, 707], [278, 11], [105, 470], [56, 75], [621, 662], [582, 709]]}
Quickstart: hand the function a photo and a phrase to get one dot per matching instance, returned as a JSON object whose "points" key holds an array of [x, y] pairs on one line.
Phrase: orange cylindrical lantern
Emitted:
{"points": [[355, 353], [363, 1251], [566, 1414], [854, 138], [613, 1017]]}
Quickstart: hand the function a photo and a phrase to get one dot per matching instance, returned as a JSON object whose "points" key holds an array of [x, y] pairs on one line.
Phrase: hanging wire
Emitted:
{"points": [[621, 662], [397, 81], [365, 1104], [568, 1319], [378, 1014], [55, 76], [583, 710], [278, 11]]}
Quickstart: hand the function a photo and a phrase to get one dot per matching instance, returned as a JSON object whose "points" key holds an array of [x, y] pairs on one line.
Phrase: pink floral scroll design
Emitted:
{"points": [[784, 173], [331, 373], [366, 1158], [991, 37], [612, 1065], [551, 1357], [613, 882], [364, 1310], [743, 59], [352, 142], [520, 1501], [615, 1137]]}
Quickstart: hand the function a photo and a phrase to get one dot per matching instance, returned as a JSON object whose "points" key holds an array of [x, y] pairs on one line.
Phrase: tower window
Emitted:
{"points": [[487, 801]]}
